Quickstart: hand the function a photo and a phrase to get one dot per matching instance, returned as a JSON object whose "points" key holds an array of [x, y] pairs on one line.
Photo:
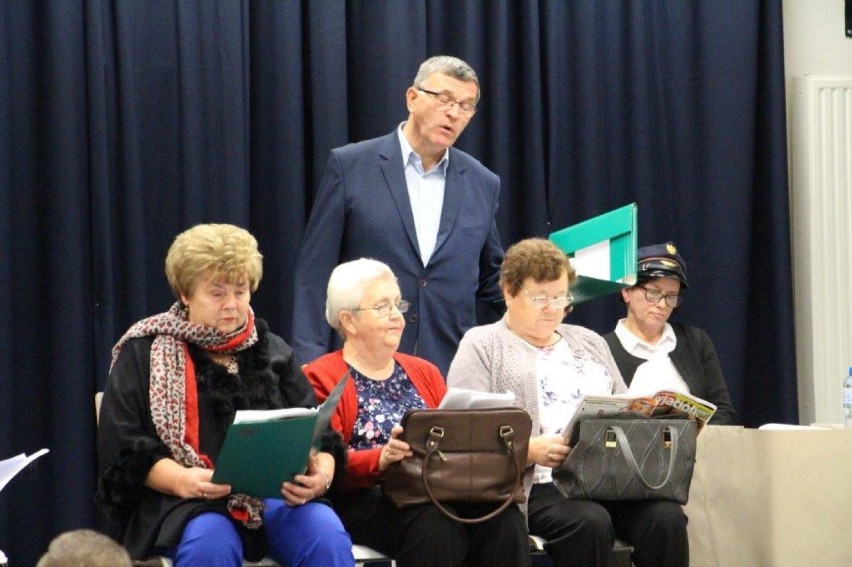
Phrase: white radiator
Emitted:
{"points": [[821, 201]]}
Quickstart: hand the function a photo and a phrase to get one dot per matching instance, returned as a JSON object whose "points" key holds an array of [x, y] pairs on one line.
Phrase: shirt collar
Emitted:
{"points": [[412, 157], [635, 346]]}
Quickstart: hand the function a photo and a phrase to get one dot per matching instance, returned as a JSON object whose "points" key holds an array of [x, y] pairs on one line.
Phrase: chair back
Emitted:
{"points": [[98, 397]]}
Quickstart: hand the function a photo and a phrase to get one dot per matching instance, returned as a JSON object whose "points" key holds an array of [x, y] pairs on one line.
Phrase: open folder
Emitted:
{"points": [[263, 448], [602, 251]]}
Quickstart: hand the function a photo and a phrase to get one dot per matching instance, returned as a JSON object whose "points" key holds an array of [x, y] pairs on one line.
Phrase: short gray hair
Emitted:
{"points": [[84, 548], [448, 65], [346, 287]]}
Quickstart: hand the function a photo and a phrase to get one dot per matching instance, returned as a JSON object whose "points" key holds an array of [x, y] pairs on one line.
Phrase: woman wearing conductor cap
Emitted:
{"points": [[652, 353]]}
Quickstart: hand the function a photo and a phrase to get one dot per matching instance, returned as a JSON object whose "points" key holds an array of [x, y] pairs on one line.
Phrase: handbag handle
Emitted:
{"points": [[507, 436], [631, 460]]}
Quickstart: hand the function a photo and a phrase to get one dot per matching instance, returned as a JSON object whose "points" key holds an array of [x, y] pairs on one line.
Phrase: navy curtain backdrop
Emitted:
{"points": [[123, 123]]}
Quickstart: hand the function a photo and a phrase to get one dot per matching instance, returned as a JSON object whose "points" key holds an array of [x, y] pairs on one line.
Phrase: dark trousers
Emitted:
{"points": [[421, 536], [582, 532]]}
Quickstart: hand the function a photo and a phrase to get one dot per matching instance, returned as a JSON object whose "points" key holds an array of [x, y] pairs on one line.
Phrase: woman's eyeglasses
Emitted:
{"points": [[384, 309], [655, 295], [542, 301]]}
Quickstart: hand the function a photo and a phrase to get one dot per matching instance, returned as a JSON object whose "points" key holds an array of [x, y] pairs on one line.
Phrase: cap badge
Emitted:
{"points": [[671, 249]]}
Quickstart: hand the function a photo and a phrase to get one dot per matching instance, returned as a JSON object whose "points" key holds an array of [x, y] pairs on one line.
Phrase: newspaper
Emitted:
{"points": [[664, 403]]}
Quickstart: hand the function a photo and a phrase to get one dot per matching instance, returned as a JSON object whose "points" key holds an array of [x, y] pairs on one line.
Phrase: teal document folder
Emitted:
{"points": [[270, 447], [603, 252]]}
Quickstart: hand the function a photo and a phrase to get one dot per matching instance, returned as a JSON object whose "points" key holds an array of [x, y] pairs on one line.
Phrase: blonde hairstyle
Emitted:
{"points": [[346, 287], [221, 250], [534, 258]]}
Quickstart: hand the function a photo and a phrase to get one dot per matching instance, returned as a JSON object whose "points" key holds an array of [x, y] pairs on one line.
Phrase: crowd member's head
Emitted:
{"points": [[660, 281], [441, 102], [365, 307], [84, 548], [212, 270], [535, 278]]}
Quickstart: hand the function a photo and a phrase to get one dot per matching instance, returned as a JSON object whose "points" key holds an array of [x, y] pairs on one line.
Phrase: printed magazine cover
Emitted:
{"points": [[664, 403]]}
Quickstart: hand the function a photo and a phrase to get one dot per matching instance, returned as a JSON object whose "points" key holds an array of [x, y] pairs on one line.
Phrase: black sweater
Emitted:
{"points": [[128, 446], [695, 359]]}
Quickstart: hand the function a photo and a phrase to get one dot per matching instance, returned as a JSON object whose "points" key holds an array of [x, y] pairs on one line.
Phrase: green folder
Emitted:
{"points": [[258, 456], [603, 250]]}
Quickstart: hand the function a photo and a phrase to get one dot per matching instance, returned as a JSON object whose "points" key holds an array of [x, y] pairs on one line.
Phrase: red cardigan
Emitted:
{"points": [[362, 468]]}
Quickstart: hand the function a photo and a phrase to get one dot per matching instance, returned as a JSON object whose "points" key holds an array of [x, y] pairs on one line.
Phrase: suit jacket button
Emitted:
{"points": [[423, 283], [413, 318]]}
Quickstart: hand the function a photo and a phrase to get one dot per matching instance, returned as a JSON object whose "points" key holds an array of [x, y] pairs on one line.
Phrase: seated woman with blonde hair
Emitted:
{"points": [[176, 381], [365, 307]]}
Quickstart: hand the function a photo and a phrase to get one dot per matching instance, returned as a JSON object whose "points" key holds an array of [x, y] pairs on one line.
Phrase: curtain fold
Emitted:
{"points": [[124, 123]]}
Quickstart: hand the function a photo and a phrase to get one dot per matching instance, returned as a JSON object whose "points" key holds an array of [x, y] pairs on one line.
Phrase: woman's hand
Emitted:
{"points": [[395, 451], [548, 450], [170, 477], [313, 484], [195, 483]]}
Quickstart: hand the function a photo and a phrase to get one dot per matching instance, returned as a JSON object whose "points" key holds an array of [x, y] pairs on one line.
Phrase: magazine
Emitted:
{"points": [[664, 403]]}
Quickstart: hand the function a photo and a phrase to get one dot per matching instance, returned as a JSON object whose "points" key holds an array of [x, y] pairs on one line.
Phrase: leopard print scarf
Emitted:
{"points": [[172, 390]]}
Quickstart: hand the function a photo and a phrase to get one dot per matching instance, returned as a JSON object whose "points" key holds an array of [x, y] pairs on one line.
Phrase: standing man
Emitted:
{"points": [[412, 201]]}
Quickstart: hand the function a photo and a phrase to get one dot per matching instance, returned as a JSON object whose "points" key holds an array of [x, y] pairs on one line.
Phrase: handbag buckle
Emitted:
{"points": [[436, 433], [507, 434]]}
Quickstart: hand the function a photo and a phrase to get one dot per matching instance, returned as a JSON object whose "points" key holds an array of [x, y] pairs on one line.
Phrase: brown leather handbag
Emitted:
{"points": [[461, 456]]}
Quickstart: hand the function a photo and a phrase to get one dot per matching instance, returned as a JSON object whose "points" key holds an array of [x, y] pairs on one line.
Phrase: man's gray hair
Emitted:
{"points": [[448, 65], [84, 548], [346, 287]]}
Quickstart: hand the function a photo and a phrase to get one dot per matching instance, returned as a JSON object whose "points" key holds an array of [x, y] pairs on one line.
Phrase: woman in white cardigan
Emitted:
{"points": [[549, 366]]}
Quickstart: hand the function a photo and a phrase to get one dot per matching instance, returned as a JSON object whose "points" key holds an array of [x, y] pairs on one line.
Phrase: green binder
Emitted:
{"points": [[603, 252], [259, 455]]}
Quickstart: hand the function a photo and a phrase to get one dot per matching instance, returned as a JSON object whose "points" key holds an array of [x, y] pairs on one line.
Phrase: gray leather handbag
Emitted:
{"points": [[630, 459]]}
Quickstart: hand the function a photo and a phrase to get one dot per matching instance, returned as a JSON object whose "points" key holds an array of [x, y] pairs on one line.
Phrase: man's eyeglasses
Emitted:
{"points": [[384, 309], [542, 301], [446, 102], [655, 295]]}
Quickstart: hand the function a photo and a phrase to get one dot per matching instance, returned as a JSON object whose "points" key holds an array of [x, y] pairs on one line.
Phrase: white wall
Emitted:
{"points": [[814, 44], [814, 38]]}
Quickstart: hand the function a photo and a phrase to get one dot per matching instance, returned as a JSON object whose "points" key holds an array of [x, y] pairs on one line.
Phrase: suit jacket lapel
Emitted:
{"points": [[392, 169], [454, 188]]}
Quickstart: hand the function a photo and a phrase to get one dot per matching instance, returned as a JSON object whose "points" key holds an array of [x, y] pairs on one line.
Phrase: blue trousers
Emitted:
{"points": [[311, 534]]}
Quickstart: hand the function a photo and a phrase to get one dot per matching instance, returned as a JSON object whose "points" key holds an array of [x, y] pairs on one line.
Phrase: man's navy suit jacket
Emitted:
{"points": [[362, 209]]}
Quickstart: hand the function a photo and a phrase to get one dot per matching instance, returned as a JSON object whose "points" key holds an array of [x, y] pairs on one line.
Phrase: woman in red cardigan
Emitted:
{"points": [[365, 307]]}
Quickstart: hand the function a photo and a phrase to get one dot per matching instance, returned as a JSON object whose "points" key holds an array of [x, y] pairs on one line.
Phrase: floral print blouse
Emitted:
{"points": [[381, 405]]}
